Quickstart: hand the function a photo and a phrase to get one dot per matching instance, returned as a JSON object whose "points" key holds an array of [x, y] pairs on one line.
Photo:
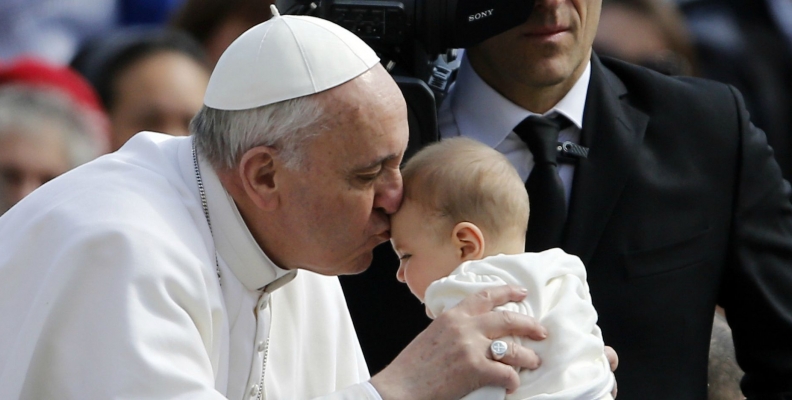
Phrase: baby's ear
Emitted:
{"points": [[468, 240]]}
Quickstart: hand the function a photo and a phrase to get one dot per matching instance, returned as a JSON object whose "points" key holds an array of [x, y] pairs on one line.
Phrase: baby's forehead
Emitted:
{"points": [[410, 214], [411, 205], [414, 217], [400, 230], [400, 214]]}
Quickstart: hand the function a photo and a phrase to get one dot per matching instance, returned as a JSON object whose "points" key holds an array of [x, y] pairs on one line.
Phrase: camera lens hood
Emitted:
{"points": [[449, 24]]}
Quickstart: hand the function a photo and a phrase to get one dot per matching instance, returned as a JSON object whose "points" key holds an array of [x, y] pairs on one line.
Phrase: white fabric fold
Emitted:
{"points": [[574, 365]]}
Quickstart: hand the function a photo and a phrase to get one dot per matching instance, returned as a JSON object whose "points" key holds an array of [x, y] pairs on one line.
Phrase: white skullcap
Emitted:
{"points": [[285, 58]]}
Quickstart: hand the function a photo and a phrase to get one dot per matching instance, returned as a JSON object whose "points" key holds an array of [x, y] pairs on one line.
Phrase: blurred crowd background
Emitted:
{"points": [[80, 77]]}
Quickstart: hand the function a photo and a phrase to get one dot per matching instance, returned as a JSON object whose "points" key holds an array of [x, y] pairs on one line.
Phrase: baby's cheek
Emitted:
{"points": [[419, 289], [415, 288]]}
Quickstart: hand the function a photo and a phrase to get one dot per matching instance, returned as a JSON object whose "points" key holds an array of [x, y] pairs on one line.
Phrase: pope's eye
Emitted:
{"points": [[367, 178]]}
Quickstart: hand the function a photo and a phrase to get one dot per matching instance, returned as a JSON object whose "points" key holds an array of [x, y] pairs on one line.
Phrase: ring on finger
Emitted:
{"points": [[498, 349]]}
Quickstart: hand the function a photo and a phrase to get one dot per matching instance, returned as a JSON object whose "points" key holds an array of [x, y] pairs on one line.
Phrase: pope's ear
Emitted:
{"points": [[469, 241], [258, 169]]}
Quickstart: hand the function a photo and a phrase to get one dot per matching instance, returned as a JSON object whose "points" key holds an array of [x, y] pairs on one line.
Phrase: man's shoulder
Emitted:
{"points": [[644, 82]]}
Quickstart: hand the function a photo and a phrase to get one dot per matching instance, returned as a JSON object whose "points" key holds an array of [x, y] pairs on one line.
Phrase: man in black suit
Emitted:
{"points": [[677, 207]]}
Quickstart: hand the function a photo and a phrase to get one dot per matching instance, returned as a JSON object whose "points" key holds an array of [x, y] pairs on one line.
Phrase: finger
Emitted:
{"points": [[497, 324], [498, 349], [615, 390], [490, 298], [502, 375], [613, 358], [519, 356]]}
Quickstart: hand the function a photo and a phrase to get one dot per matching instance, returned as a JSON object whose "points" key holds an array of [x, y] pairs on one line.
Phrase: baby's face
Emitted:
{"points": [[424, 256]]}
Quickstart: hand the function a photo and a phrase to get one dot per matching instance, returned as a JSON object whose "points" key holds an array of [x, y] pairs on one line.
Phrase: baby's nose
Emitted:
{"points": [[400, 274]]}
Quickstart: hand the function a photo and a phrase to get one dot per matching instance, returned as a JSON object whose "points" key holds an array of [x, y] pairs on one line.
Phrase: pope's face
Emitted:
{"points": [[551, 48], [336, 205]]}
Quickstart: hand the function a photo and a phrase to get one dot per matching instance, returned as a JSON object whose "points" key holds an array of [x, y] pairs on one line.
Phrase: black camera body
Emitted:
{"points": [[416, 42]]}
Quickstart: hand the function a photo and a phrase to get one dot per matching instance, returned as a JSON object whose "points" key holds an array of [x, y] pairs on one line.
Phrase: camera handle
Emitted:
{"points": [[424, 98], [421, 113]]}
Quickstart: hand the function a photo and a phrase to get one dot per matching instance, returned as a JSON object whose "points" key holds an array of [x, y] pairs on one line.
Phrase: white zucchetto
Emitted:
{"points": [[285, 58]]}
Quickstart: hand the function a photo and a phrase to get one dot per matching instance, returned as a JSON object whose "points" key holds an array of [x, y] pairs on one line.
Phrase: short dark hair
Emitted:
{"points": [[103, 60], [201, 18]]}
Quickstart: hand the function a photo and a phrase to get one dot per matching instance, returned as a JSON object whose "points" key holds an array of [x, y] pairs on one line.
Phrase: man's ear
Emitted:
{"points": [[468, 240], [258, 169]]}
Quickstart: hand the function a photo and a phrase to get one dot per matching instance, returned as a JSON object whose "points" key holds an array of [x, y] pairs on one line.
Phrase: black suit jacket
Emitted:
{"points": [[680, 206]]}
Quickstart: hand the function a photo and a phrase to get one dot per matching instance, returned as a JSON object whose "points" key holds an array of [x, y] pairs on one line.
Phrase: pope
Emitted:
{"points": [[205, 266]]}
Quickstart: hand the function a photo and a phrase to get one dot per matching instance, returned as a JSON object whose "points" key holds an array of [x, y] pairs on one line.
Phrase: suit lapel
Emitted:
{"points": [[613, 131]]}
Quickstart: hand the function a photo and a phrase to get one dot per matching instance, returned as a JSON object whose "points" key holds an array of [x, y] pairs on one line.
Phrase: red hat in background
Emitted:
{"points": [[40, 73]]}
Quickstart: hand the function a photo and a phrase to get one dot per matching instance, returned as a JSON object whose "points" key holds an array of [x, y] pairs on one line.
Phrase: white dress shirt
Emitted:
{"points": [[475, 110]]}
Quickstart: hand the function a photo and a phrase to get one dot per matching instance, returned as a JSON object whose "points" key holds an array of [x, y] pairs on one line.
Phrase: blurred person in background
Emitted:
{"points": [[55, 29], [723, 373], [651, 33], [216, 23], [147, 79], [50, 122], [743, 43], [51, 29]]}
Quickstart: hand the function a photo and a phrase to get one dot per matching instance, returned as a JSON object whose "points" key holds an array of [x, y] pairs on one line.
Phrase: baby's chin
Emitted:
{"points": [[429, 312]]}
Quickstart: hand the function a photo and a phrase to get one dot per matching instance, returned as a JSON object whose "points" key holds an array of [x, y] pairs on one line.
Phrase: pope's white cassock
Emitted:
{"points": [[109, 289]]}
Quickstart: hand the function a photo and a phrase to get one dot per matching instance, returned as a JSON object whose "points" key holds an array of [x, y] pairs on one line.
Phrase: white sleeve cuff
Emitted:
{"points": [[360, 391], [372, 391]]}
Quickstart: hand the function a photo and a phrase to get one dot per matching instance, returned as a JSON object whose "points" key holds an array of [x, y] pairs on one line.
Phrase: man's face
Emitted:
{"points": [[425, 254], [161, 93], [29, 160], [336, 206], [551, 48]]}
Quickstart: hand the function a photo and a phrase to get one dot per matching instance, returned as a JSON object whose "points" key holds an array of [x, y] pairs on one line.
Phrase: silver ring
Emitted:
{"points": [[498, 348]]}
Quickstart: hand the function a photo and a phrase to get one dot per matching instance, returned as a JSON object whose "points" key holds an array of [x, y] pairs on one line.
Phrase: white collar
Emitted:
{"points": [[234, 243], [484, 114]]}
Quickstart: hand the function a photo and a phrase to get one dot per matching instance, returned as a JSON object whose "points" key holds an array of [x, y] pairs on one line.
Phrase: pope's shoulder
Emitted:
{"points": [[140, 188]]}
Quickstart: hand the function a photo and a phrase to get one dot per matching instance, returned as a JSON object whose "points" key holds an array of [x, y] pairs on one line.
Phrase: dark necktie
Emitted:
{"points": [[545, 188]]}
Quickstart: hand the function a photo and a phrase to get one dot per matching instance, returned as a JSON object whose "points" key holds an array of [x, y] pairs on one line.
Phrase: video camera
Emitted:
{"points": [[416, 41]]}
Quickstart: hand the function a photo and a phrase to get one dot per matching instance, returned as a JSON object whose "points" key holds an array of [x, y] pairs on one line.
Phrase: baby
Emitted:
{"points": [[461, 229]]}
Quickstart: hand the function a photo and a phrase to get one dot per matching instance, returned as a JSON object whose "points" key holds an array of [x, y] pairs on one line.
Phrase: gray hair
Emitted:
{"points": [[30, 110], [223, 136]]}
